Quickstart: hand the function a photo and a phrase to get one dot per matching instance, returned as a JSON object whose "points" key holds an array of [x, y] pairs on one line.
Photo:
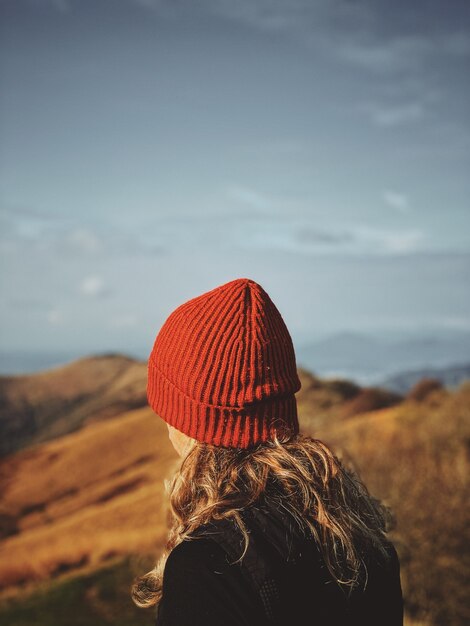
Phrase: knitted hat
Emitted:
{"points": [[222, 369]]}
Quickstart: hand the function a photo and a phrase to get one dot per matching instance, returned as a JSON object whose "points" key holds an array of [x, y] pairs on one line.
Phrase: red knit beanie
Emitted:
{"points": [[222, 369]]}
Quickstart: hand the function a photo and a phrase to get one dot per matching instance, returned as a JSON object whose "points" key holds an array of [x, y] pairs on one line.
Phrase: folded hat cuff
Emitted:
{"points": [[227, 426]]}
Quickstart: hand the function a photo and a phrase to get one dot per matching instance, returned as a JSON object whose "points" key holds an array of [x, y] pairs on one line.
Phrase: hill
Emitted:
{"points": [[321, 400], [39, 407], [415, 457], [84, 498], [84, 512]]}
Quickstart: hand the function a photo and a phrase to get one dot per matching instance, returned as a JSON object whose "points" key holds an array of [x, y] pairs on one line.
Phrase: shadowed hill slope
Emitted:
{"points": [[42, 406]]}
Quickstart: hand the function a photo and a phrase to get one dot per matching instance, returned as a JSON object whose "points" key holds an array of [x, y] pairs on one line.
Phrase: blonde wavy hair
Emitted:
{"points": [[327, 499]]}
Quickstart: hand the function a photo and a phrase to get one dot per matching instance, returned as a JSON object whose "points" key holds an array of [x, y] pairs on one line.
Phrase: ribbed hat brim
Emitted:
{"points": [[228, 426]]}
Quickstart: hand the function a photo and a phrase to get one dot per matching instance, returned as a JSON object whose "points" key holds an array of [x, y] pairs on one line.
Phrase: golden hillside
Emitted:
{"points": [[85, 498], [415, 458], [79, 502], [88, 496]]}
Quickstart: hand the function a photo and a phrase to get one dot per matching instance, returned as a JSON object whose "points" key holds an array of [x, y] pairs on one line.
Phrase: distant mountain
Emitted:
{"points": [[365, 357], [42, 406], [14, 362], [449, 376], [368, 359]]}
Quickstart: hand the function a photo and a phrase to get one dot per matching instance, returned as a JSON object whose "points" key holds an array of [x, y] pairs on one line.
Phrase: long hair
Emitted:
{"points": [[327, 500]]}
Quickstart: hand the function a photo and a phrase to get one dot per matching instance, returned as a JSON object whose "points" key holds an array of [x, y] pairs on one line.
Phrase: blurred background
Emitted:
{"points": [[154, 149]]}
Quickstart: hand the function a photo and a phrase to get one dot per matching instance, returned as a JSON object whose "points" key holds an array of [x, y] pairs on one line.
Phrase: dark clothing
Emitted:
{"points": [[202, 586]]}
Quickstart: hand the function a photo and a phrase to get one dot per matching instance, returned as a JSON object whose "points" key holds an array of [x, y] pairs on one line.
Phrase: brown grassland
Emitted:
{"points": [[85, 500]]}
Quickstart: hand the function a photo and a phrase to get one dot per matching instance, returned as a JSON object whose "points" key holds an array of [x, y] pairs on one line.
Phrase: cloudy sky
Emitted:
{"points": [[152, 150]]}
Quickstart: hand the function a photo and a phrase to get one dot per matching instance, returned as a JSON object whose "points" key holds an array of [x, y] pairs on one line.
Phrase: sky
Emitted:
{"points": [[153, 150]]}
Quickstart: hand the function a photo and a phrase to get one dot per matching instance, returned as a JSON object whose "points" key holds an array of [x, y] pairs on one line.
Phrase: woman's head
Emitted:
{"points": [[222, 369]]}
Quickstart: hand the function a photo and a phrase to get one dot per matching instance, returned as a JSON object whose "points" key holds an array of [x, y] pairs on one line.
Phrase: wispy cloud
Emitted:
{"points": [[391, 242], [303, 238], [249, 197], [397, 115], [455, 322], [129, 320], [396, 200], [61, 6], [408, 102], [55, 317], [83, 240], [23, 224], [299, 235], [403, 53], [94, 287], [16, 212], [149, 5], [68, 236], [314, 236], [357, 32], [362, 32], [28, 303], [260, 14]]}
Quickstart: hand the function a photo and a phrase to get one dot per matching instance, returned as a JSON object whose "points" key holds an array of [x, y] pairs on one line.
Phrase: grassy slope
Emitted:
{"points": [[87, 499], [48, 404], [98, 598], [414, 457]]}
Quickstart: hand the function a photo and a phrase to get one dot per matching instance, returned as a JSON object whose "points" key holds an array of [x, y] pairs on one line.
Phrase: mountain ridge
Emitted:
{"points": [[43, 405]]}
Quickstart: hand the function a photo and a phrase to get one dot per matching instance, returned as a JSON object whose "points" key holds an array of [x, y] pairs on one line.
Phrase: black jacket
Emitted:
{"points": [[203, 587]]}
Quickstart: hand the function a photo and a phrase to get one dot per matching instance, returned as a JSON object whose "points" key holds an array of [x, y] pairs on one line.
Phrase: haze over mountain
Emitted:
{"points": [[371, 359], [451, 376], [367, 358]]}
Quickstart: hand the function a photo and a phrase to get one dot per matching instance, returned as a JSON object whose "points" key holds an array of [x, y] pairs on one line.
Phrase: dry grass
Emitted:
{"points": [[414, 457], [87, 497], [97, 494]]}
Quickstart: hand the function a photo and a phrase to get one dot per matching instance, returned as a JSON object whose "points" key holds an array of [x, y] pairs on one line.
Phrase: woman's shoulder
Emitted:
{"points": [[195, 553], [203, 560], [214, 590]]}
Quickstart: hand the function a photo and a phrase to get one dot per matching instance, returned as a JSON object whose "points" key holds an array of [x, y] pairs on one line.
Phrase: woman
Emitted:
{"points": [[268, 527]]}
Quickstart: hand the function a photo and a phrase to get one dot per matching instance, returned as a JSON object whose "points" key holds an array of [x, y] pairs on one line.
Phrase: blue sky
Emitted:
{"points": [[151, 151]]}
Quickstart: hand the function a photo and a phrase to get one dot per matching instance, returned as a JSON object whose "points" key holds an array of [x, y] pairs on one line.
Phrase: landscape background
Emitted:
{"points": [[82, 476], [154, 149]]}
